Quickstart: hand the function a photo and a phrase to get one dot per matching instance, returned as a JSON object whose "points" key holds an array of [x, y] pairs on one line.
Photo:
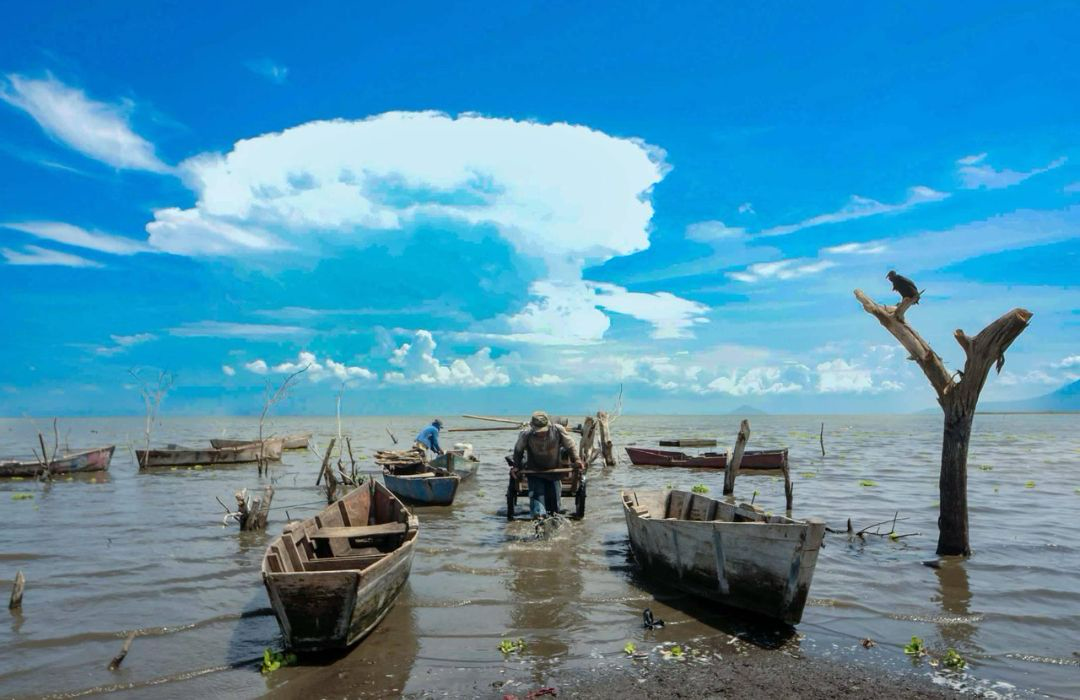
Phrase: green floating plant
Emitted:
{"points": [[807, 475], [915, 647], [986, 468], [273, 660], [1029, 484], [510, 646], [869, 483], [630, 648], [675, 652], [22, 496], [954, 661], [699, 488]]}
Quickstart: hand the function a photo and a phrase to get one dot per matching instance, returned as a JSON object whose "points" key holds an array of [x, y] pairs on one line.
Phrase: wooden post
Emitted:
{"points": [[957, 399], [326, 460], [119, 658], [586, 449], [821, 438], [731, 470], [789, 488], [607, 448], [254, 512], [17, 591]]}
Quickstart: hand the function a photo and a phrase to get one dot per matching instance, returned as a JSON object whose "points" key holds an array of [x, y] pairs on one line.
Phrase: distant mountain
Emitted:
{"points": [[746, 410], [1067, 399]]}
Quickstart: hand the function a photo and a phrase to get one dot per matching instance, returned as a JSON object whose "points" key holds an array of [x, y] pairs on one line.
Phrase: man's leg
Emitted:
{"points": [[552, 496], [536, 496]]}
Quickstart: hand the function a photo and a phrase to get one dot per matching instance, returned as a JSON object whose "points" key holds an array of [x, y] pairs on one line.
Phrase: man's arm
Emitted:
{"points": [[568, 444], [434, 435], [519, 448]]}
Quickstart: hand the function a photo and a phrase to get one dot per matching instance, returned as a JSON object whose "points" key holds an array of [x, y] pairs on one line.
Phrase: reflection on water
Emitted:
{"points": [[127, 551]]}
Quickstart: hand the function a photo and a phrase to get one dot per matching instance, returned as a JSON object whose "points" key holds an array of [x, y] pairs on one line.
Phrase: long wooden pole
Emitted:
{"points": [[474, 430], [493, 420]]}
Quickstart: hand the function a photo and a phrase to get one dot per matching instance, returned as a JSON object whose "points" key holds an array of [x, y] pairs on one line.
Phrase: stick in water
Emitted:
{"points": [[119, 658], [17, 591]]}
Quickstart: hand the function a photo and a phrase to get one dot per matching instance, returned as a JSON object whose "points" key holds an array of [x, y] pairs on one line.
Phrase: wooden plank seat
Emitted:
{"points": [[343, 563], [422, 475], [384, 530]]}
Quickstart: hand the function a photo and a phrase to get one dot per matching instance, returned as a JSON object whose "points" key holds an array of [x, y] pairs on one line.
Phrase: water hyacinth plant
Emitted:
{"points": [[699, 488], [915, 647], [508, 646], [273, 660]]}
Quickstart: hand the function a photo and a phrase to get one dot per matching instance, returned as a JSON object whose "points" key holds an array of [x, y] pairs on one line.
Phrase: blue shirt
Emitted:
{"points": [[429, 437]]}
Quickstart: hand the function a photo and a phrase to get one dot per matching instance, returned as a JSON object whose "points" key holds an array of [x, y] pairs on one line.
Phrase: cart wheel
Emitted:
{"points": [[511, 498], [579, 501]]}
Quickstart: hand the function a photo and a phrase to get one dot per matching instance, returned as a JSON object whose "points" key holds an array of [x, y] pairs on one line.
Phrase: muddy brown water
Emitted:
{"points": [[147, 552]]}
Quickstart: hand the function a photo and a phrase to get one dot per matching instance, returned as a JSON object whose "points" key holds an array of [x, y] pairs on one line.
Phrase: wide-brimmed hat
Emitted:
{"points": [[437, 423], [539, 422]]}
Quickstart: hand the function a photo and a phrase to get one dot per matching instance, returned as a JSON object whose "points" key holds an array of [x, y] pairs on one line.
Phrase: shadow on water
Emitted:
{"points": [[954, 596], [757, 630]]}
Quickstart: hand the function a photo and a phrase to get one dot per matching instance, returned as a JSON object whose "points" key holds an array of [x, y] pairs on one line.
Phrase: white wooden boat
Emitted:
{"points": [[733, 554], [176, 456], [297, 441], [333, 577]]}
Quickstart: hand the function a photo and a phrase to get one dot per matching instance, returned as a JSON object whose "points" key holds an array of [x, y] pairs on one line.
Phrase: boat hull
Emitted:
{"points": [[94, 460], [328, 585], [752, 459], [434, 490], [763, 565], [209, 457]]}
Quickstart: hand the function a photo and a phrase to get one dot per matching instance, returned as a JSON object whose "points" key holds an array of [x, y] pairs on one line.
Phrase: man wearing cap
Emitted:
{"points": [[544, 441], [429, 437]]}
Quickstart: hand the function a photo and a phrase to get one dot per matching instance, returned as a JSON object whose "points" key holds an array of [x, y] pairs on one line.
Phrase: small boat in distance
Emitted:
{"points": [[92, 460], [333, 577], [273, 444], [736, 555], [432, 484], [176, 456], [752, 459], [298, 441]]}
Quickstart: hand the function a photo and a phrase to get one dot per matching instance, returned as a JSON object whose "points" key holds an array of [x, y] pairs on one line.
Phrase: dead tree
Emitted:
{"points": [[253, 512], [153, 393], [46, 458], [587, 450], [957, 398], [271, 397], [735, 457], [607, 448]]}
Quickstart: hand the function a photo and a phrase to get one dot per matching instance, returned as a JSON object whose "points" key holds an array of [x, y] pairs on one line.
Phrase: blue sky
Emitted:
{"points": [[518, 205]]}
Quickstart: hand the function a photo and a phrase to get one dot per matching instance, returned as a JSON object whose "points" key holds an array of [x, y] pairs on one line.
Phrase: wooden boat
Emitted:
{"points": [[752, 459], [333, 577], [432, 484], [175, 456], [688, 442], [298, 441], [93, 460], [734, 555], [274, 445]]}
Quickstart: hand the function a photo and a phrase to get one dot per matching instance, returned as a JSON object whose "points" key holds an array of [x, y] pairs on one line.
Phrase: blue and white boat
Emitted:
{"points": [[434, 483]]}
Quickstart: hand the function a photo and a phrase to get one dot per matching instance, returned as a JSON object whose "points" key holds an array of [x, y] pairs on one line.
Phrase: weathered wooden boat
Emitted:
{"points": [[333, 577], [175, 456], [736, 555], [298, 441], [92, 460], [751, 460], [274, 445], [432, 484]]}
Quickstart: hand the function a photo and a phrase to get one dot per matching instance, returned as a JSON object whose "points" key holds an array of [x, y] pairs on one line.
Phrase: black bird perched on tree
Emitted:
{"points": [[904, 286]]}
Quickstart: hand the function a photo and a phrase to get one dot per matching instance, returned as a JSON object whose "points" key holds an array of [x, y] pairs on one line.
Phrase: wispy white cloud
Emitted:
{"points": [[1072, 188], [99, 130], [228, 370], [36, 255], [976, 173], [187, 232], [221, 329], [60, 232], [417, 364], [865, 248], [574, 313], [746, 208], [545, 380], [782, 269], [315, 370], [269, 69], [859, 208], [1065, 362], [122, 343]]}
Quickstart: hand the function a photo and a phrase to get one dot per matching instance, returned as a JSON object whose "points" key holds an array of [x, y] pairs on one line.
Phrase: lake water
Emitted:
{"points": [[127, 551]]}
